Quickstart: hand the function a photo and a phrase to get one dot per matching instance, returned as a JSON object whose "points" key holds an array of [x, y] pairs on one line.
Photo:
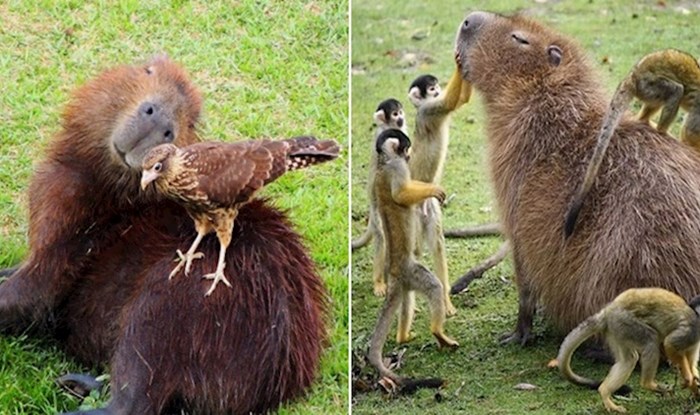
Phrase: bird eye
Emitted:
{"points": [[157, 166]]}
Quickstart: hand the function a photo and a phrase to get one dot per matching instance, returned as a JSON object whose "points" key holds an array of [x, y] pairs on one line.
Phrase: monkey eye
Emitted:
{"points": [[395, 114], [158, 166], [520, 39]]}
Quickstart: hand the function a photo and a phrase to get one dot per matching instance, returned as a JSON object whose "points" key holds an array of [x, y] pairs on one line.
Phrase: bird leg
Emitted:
{"points": [[224, 229], [218, 275], [187, 258]]}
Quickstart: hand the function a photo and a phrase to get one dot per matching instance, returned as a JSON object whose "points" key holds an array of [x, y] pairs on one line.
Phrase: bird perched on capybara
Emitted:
{"points": [[101, 249], [544, 105]]}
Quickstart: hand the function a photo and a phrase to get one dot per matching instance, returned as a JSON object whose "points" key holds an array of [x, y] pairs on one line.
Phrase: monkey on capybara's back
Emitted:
{"points": [[640, 226], [101, 251]]}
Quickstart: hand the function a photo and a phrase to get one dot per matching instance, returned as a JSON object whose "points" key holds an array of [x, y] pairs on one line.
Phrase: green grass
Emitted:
{"points": [[481, 373], [265, 68]]}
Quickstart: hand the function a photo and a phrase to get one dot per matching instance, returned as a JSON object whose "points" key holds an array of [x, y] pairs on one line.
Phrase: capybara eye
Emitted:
{"points": [[520, 39]]}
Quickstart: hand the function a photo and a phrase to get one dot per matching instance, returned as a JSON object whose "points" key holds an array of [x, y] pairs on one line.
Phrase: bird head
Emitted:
{"points": [[157, 163]]}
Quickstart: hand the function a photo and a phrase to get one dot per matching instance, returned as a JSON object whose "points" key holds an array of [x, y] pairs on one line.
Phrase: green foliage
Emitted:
{"points": [[265, 68], [481, 373]]}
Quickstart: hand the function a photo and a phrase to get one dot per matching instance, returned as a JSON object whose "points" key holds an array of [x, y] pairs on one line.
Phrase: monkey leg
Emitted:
{"points": [[675, 348], [526, 305], [648, 111], [653, 89], [436, 242], [649, 358], [203, 228], [381, 329], [378, 264], [406, 312], [691, 357], [626, 360], [690, 133], [422, 280]]}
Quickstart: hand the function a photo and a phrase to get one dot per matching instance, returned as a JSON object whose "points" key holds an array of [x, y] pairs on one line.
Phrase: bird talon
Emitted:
{"points": [[188, 264], [217, 276], [186, 260], [175, 271]]}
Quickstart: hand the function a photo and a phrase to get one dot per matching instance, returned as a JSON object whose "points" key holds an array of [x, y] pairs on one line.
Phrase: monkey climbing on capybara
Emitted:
{"points": [[101, 249], [544, 106]]}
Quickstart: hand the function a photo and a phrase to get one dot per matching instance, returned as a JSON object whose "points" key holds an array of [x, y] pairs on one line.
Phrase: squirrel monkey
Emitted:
{"points": [[635, 324], [395, 195], [389, 114], [667, 78], [430, 140]]}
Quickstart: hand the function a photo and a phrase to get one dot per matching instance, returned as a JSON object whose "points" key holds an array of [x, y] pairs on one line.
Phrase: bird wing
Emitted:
{"points": [[229, 173]]}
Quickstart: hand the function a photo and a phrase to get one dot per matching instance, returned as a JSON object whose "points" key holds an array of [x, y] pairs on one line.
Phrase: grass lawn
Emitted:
{"points": [[394, 41], [266, 68]]}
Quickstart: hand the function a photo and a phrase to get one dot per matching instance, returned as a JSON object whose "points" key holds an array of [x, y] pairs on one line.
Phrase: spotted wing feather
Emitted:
{"points": [[306, 151], [230, 173]]}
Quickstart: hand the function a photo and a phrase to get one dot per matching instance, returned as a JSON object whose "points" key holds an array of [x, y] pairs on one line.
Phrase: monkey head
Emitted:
{"points": [[497, 53], [133, 109], [423, 88], [694, 303], [393, 143], [389, 114]]}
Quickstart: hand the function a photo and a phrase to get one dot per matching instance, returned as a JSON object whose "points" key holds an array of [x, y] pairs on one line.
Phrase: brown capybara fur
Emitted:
{"points": [[640, 226], [101, 250]]}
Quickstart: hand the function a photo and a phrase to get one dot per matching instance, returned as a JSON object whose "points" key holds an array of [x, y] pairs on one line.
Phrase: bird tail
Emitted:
{"points": [[306, 151]]}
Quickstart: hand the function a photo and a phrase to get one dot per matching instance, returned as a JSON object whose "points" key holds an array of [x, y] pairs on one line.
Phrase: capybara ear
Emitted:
{"points": [[156, 60], [554, 53]]}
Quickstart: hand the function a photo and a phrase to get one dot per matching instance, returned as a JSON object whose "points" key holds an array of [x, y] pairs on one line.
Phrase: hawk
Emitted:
{"points": [[213, 179]]}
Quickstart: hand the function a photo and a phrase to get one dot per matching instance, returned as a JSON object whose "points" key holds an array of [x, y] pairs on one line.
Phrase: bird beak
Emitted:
{"points": [[147, 177]]}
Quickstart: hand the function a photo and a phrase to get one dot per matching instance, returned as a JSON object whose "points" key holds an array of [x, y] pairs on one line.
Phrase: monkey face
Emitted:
{"points": [[389, 114], [492, 50], [145, 105], [425, 87]]}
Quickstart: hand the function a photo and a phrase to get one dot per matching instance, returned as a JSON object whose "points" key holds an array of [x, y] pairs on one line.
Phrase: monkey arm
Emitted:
{"points": [[411, 192], [456, 93], [675, 95]]}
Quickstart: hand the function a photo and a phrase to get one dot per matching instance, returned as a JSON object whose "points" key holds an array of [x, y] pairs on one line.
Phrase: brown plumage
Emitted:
{"points": [[214, 179]]}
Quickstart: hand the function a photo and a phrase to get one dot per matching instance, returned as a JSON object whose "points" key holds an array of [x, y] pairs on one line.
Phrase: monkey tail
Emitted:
{"points": [[409, 386], [620, 102], [363, 239], [589, 327]]}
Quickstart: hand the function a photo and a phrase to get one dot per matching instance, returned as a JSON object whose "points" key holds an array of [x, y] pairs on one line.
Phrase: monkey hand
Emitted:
{"points": [[439, 194]]}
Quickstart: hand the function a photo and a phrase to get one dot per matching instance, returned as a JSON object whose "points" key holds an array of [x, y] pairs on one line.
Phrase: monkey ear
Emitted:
{"points": [[379, 117], [555, 54], [391, 146], [414, 96]]}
